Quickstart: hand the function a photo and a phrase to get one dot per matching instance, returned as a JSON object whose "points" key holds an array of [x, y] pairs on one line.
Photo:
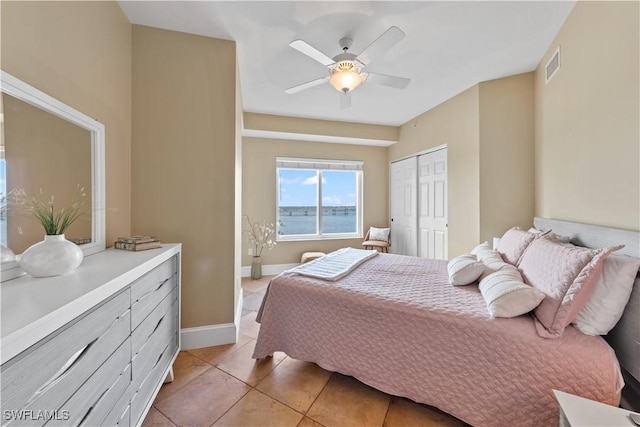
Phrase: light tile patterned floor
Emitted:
{"points": [[224, 386]]}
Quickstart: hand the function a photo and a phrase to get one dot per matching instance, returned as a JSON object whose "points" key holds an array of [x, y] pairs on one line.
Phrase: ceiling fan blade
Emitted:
{"points": [[380, 45], [345, 100], [311, 52], [307, 85], [384, 80]]}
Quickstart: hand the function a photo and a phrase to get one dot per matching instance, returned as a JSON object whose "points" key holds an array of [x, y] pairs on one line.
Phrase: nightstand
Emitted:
{"points": [[576, 411]]}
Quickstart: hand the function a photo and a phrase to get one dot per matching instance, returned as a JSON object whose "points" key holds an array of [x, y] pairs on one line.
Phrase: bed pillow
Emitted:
{"points": [[507, 295], [480, 250], [493, 262], [513, 244], [379, 234], [464, 269], [561, 239], [610, 295], [566, 274]]}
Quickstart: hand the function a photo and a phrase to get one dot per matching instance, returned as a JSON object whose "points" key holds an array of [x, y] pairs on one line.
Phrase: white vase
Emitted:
{"points": [[6, 254], [54, 256]]}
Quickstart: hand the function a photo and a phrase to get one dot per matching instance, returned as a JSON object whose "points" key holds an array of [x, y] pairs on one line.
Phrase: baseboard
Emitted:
{"points": [[207, 336], [268, 270]]}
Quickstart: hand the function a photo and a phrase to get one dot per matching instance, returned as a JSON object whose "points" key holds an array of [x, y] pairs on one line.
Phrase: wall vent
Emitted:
{"points": [[552, 66]]}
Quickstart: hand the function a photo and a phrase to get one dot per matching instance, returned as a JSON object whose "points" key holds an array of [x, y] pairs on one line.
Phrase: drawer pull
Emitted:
{"points": [[66, 368], [93, 406], [73, 360], [157, 326], [156, 289]]}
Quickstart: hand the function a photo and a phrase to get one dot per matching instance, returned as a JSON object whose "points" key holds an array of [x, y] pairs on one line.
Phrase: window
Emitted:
{"points": [[319, 199]]}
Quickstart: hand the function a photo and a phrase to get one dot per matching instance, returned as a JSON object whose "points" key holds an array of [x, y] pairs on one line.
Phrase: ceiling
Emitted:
{"points": [[449, 47]]}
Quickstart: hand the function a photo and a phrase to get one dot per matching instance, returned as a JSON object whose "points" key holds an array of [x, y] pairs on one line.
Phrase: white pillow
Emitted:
{"points": [[379, 234], [480, 250], [493, 262], [507, 295], [610, 295], [464, 269]]}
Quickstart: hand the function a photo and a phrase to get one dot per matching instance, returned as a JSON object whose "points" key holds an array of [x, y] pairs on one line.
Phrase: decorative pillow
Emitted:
{"points": [[507, 295], [379, 234], [559, 238], [566, 274], [480, 250], [610, 295], [493, 262], [513, 244], [464, 269]]}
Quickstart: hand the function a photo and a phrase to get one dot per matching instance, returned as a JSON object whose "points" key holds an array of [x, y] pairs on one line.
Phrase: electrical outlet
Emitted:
{"points": [[250, 251]]}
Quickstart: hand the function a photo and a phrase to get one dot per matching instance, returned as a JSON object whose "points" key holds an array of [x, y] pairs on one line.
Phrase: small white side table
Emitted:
{"points": [[576, 411]]}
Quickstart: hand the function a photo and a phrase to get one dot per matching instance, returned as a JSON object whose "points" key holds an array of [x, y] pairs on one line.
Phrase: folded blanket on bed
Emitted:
{"points": [[334, 265]]}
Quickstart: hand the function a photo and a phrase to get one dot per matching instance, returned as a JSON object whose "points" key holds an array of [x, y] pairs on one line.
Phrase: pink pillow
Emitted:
{"points": [[566, 274], [513, 244]]}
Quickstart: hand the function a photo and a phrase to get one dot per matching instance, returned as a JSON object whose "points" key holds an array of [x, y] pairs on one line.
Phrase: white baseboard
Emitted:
{"points": [[207, 336], [268, 270]]}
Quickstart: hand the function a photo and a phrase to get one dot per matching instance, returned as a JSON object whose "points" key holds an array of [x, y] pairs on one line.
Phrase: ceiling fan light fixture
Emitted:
{"points": [[345, 76]]}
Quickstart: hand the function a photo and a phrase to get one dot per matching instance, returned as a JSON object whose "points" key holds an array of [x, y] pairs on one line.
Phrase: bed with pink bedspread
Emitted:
{"points": [[396, 324]]}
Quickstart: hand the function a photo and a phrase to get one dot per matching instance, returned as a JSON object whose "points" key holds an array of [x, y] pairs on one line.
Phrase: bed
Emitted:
{"points": [[397, 324]]}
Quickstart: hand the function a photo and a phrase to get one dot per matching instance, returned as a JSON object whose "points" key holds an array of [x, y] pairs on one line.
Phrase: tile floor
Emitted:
{"points": [[224, 386]]}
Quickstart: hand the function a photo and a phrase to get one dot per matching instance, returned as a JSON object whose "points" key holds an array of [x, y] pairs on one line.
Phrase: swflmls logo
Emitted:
{"points": [[39, 415]]}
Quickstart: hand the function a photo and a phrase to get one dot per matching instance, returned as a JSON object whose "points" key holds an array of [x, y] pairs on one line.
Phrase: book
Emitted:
{"points": [[137, 246], [137, 239]]}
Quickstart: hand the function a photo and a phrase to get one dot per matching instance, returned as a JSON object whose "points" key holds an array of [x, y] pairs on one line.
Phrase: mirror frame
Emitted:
{"points": [[29, 94]]}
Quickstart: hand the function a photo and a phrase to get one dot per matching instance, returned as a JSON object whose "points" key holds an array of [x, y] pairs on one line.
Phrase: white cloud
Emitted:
{"points": [[313, 180]]}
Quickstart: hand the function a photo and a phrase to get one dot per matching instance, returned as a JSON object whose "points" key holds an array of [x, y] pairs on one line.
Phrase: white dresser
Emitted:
{"points": [[576, 411], [91, 347]]}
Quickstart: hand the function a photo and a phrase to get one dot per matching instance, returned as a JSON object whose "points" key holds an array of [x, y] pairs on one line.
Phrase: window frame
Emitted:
{"points": [[320, 165]]}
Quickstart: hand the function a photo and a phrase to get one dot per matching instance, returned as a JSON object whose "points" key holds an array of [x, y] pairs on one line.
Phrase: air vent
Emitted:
{"points": [[553, 65]]}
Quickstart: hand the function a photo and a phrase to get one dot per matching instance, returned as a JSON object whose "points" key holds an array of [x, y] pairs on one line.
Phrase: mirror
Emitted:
{"points": [[48, 149]]}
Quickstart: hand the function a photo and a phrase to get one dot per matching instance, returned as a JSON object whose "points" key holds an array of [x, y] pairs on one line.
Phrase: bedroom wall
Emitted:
{"points": [[80, 53], [184, 157], [455, 123], [506, 155], [587, 119], [259, 190]]}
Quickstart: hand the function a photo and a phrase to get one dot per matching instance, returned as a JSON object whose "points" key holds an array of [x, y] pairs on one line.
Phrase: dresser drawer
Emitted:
{"points": [[120, 413], [45, 376], [155, 321], [150, 289], [152, 336], [95, 399], [147, 385]]}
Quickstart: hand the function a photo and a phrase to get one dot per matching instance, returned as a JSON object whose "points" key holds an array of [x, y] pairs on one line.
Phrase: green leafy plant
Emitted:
{"points": [[56, 222]]}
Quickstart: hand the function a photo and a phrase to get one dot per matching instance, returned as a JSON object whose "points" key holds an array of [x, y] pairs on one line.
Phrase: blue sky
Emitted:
{"points": [[298, 187]]}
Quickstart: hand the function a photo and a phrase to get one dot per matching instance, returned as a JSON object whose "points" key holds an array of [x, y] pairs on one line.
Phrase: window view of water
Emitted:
{"points": [[303, 220]]}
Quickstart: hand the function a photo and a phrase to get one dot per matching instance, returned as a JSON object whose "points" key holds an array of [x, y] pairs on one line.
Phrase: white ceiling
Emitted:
{"points": [[449, 47]]}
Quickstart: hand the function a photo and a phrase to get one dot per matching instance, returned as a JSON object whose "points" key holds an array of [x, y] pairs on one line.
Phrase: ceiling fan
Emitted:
{"points": [[345, 69]]}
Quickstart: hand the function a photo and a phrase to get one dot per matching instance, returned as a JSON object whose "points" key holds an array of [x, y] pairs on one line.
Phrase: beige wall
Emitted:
{"points": [[184, 161], [587, 119], [506, 155], [259, 190], [454, 123], [266, 122], [80, 53]]}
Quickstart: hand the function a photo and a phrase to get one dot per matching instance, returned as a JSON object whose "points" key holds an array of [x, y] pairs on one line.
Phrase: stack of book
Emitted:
{"points": [[137, 243]]}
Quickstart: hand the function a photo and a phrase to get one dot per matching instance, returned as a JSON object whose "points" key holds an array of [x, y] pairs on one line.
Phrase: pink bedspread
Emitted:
{"points": [[396, 324]]}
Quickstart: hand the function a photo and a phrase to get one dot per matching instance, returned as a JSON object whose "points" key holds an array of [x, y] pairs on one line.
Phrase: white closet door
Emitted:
{"points": [[404, 207], [432, 204]]}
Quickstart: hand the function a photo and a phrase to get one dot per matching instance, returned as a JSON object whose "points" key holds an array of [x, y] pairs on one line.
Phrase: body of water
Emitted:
{"points": [[302, 220]]}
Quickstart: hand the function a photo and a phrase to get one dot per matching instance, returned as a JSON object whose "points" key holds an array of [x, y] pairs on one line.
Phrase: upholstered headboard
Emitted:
{"points": [[625, 337]]}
